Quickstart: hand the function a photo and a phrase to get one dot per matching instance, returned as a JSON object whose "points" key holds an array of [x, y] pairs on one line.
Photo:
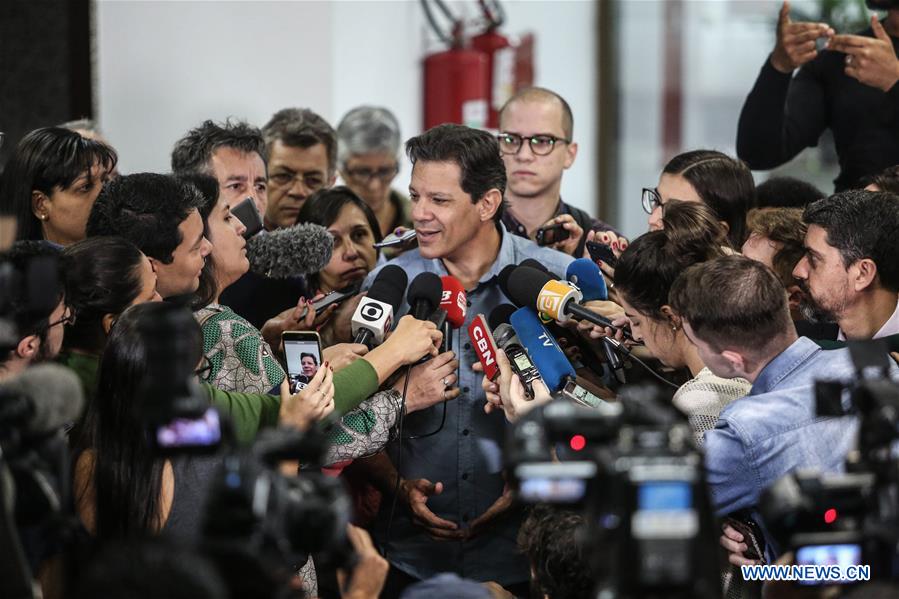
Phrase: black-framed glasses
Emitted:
{"points": [[541, 145], [364, 175], [68, 318], [204, 370], [651, 200], [311, 181]]}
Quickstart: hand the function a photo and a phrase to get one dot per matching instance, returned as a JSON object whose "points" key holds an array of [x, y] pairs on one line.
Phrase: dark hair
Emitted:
{"points": [[862, 224], [208, 189], [732, 301], [786, 192], [301, 128], [30, 317], [323, 208], [148, 569], [44, 160], [193, 152], [692, 222], [145, 208], [127, 473], [102, 276], [313, 356], [549, 537], [885, 180], [652, 262], [537, 94], [724, 183], [784, 226], [475, 152]]}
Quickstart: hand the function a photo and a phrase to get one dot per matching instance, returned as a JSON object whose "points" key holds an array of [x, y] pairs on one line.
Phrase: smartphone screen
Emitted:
{"points": [[304, 357], [182, 434]]}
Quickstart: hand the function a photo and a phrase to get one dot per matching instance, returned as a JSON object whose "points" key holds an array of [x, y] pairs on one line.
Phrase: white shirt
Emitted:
{"points": [[890, 327]]}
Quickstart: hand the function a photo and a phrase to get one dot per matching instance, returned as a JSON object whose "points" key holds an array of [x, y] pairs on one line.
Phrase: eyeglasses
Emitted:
{"points": [[311, 181], [364, 175], [68, 318], [541, 145], [205, 370], [651, 200]]}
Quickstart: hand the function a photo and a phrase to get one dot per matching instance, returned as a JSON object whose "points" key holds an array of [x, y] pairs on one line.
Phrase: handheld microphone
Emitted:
{"points": [[42, 399], [508, 341], [454, 301], [555, 369], [585, 274], [558, 300], [297, 250], [548, 357], [484, 345], [374, 314], [424, 295]]}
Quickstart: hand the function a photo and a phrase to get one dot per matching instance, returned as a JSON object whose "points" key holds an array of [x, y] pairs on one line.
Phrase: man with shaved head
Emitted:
{"points": [[537, 145]]}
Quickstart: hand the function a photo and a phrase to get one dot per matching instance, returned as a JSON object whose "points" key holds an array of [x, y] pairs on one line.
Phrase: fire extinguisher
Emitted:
{"points": [[500, 54], [456, 81]]}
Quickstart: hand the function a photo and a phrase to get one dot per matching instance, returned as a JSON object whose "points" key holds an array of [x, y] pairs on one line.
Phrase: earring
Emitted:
{"points": [[674, 327], [42, 216]]}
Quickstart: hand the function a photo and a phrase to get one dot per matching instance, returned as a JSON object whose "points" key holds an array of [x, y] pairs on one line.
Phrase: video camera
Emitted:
{"points": [[282, 519], [638, 475], [849, 518]]}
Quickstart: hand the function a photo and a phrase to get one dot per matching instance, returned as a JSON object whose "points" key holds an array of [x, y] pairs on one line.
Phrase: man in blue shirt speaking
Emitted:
{"points": [[453, 511]]}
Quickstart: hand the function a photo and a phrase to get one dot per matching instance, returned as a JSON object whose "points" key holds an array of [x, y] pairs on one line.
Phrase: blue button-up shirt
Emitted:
{"points": [[466, 455], [775, 430]]}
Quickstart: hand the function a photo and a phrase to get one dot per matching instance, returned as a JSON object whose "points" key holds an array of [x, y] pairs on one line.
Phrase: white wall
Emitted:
{"points": [[164, 66]]}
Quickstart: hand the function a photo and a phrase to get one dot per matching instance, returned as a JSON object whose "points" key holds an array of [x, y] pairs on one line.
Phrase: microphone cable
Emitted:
{"points": [[399, 459], [628, 353]]}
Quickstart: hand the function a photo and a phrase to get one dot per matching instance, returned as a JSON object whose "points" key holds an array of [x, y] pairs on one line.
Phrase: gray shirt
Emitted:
{"points": [[466, 455]]}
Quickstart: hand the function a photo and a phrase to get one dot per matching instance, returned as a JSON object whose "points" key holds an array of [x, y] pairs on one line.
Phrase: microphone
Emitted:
{"points": [[484, 345], [548, 357], [503, 276], [374, 314], [555, 369], [557, 300], [454, 301], [42, 399], [296, 250], [508, 341], [424, 295], [585, 274]]}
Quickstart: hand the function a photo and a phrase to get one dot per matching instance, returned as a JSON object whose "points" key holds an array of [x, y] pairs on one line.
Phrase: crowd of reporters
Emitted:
{"points": [[515, 399]]}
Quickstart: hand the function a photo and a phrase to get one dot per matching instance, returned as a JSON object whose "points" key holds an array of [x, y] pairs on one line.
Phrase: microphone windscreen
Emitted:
{"points": [[534, 263], [503, 278], [297, 250], [585, 273], [525, 284], [453, 300], [425, 292], [543, 349], [500, 315], [55, 392], [389, 286]]}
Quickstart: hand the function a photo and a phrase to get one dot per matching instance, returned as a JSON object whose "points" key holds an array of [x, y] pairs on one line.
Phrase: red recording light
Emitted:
{"points": [[578, 442], [830, 516]]}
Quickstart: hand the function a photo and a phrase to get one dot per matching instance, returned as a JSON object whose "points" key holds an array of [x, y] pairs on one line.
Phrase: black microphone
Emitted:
{"points": [[296, 250], [424, 295], [46, 397], [374, 314]]}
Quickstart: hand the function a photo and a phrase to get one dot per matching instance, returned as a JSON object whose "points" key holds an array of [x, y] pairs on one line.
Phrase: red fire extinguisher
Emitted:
{"points": [[456, 80], [501, 60]]}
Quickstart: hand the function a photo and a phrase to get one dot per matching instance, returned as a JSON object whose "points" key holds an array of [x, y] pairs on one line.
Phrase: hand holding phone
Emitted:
{"points": [[552, 234], [249, 215], [600, 252], [407, 237], [302, 350]]}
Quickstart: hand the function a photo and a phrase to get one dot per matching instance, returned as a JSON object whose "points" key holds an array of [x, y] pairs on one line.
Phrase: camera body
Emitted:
{"points": [[849, 518], [637, 474]]}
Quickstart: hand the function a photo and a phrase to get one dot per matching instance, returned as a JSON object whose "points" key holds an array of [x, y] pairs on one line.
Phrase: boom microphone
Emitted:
{"points": [[454, 301], [374, 314], [42, 399], [297, 250]]}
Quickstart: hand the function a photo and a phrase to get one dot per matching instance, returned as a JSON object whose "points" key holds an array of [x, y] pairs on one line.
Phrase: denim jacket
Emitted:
{"points": [[774, 430]]}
